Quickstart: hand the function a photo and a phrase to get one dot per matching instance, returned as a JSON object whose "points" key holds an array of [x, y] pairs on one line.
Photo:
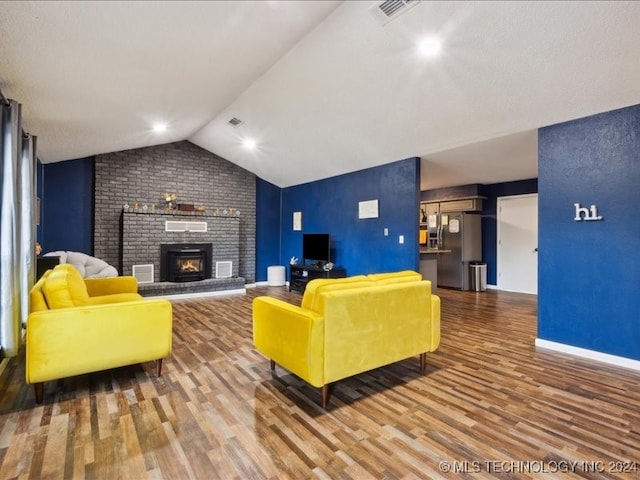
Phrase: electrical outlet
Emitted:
{"points": [[401, 239], [386, 232]]}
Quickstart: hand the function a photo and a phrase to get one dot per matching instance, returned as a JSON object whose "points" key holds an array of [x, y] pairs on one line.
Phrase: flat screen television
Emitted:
{"points": [[316, 247]]}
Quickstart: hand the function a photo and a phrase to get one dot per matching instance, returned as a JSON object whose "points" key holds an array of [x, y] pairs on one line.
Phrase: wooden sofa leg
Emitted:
{"points": [[39, 388], [423, 362], [159, 367], [325, 395]]}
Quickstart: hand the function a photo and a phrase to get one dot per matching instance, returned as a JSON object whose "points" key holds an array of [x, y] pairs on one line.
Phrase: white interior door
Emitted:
{"points": [[518, 243]]}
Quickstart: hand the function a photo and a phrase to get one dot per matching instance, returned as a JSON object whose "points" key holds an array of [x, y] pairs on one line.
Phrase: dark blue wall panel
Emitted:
{"points": [[268, 225], [331, 206], [66, 221], [450, 193], [589, 271]]}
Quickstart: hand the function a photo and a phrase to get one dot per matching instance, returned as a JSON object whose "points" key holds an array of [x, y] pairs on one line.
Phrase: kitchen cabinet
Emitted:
{"points": [[462, 205], [472, 204]]}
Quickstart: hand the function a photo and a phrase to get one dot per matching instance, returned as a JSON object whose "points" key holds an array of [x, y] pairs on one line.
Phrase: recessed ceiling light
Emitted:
{"points": [[429, 47], [160, 127], [249, 144]]}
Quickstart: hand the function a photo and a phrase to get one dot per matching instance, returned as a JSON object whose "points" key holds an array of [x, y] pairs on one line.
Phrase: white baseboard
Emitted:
{"points": [[589, 354], [266, 284], [182, 296]]}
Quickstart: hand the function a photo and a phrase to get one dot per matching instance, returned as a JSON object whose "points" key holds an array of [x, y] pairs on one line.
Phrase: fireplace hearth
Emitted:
{"points": [[185, 262]]}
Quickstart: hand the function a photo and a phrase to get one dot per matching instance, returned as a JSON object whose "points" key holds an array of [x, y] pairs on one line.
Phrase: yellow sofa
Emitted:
{"points": [[78, 326], [348, 326]]}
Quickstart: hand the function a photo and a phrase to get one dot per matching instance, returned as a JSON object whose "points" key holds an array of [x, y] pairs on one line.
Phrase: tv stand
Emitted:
{"points": [[300, 275]]}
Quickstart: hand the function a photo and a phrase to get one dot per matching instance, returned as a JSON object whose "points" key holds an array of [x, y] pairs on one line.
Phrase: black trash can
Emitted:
{"points": [[478, 276]]}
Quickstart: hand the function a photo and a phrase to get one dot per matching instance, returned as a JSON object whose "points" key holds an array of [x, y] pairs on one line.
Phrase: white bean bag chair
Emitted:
{"points": [[88, 266]]}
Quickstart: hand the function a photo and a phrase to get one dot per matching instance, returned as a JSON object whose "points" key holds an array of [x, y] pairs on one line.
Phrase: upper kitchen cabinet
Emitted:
{"points": [[471, 204], [462, 205]]}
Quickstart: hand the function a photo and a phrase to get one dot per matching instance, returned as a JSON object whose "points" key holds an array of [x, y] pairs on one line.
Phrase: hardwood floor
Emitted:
{"points": [[490, 405]]}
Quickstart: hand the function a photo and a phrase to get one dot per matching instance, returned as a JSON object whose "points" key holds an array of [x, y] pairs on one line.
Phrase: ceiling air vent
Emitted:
{"points": [[235, 122], [389, 9]]}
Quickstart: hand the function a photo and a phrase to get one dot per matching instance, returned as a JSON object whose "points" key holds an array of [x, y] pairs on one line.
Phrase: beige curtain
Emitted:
{"points": [[17, 225]]}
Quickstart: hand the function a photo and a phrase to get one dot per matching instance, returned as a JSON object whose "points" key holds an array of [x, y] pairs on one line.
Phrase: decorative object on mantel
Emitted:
{"points": [[180, 209], [170, 200], [293, 261], [147, 210], [328, 266]]}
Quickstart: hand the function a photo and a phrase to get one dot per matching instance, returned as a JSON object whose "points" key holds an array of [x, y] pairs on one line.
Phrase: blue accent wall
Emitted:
{"points": [[489, 218], [66, 221], [589, 271], [331, 206], [268, 226]]}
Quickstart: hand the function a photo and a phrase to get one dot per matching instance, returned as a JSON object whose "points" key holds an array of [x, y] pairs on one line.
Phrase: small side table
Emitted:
{"points": [[276, 276], [300, 275]]}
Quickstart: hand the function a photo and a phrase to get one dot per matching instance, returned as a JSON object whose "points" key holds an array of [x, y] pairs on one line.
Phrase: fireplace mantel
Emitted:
{"points": [[230, 213]]}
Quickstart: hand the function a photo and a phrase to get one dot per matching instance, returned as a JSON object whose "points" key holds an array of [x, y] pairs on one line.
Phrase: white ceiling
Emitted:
{"points": [[323, 87]]}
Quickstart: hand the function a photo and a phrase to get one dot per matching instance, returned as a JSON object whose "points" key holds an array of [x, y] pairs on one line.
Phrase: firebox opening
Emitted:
{"points": [[186, 265], [189, 265], [185, 262]]}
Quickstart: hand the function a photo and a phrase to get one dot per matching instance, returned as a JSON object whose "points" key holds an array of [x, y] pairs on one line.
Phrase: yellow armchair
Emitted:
{"points": [[78, 326], [345, 327]]}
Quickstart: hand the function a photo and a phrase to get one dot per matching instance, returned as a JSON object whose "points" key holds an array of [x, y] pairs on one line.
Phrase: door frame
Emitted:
{"points": [[498, 237]]}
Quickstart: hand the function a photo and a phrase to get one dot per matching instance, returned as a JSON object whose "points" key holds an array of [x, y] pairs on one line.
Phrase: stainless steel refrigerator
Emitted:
{"points": [[460, 233]]}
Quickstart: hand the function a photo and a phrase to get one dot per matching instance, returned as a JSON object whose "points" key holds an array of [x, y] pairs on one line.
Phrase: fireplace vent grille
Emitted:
{"points": [[143, 273], [175, 226], [224, 269]]}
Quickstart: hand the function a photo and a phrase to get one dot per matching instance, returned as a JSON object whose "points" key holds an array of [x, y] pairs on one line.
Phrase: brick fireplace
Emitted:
{"points": [[141, 176], [145, 237]]}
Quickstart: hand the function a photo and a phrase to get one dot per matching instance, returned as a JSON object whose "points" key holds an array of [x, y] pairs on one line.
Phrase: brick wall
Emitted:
{"points": [[195, 175]]}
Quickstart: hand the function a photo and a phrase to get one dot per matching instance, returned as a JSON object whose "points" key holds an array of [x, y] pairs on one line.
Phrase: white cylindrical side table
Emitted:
{"points": [[276, 276]]}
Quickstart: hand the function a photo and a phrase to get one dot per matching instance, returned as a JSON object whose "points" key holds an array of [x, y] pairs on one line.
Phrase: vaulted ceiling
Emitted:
{"points": [[323, 88]]}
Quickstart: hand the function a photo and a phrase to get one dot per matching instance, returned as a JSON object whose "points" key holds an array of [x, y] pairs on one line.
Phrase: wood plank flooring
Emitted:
{"points": [[490, 405]]}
